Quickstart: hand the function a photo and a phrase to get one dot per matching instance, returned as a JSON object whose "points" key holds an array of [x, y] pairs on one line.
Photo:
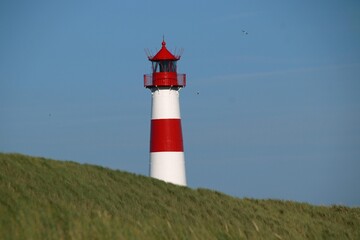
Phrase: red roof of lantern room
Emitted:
{"points": [[164, 54]]}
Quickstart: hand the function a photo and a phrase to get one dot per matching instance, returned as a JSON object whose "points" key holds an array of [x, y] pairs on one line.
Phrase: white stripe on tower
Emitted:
{"points": [[167, 161]]}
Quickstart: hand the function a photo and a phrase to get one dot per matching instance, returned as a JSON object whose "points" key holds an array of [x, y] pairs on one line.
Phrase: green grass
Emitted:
{"points": [[47, 199]]}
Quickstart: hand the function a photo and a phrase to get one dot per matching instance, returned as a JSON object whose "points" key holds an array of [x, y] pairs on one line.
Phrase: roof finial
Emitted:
{"points": [[163, 42]]}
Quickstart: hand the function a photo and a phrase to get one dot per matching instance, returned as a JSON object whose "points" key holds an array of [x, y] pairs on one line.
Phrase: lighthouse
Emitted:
{"points": [[167, 161]]}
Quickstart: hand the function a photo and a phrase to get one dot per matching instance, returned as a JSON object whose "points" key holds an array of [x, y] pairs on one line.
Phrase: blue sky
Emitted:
{"points": [[278, 110]]}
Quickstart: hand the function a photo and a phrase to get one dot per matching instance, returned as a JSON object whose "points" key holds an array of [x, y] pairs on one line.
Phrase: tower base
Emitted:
{"points": [[168, 166]]}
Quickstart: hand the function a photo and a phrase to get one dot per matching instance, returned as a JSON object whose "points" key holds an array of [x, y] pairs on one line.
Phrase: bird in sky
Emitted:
{"points": [[245, 32]]}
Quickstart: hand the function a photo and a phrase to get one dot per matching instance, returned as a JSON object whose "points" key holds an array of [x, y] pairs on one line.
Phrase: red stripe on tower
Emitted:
{"points": [[166, 135]]}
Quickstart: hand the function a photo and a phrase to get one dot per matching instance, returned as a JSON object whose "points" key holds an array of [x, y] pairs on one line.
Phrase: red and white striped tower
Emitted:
{"points": [[167, 161]]}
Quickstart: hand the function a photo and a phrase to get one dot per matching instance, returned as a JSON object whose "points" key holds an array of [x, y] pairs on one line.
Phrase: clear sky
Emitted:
{"points": [[278, 110]]}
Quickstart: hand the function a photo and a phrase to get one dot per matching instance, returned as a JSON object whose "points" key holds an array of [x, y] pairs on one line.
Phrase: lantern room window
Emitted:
{"points": [[164, 66], [155, 66]]}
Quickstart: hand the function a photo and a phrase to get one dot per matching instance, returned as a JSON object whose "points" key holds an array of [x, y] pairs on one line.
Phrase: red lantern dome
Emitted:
{"points": [[164, 54]]}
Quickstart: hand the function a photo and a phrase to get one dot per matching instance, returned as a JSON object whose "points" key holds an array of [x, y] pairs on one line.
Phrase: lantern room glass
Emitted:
{"points": [[164, 66]]}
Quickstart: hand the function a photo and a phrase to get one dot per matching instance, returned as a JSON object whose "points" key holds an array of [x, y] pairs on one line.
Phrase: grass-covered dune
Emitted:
{"points": [[47, 199]]}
